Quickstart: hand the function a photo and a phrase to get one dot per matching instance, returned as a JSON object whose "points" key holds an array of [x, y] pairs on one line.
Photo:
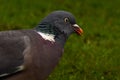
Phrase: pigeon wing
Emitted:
{"points": [[12, 47]]}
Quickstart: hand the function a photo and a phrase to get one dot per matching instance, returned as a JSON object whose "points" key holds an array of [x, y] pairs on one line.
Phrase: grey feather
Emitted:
{"points": [[12, 46]]}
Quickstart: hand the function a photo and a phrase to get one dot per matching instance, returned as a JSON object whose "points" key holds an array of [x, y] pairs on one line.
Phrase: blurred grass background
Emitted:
{"points": [[95, 55]]}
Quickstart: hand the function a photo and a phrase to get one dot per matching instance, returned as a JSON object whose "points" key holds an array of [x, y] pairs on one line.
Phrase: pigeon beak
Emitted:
{"points": [[77, 29]]}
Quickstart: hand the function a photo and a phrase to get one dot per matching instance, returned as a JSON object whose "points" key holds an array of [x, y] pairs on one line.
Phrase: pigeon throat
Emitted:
{"points": [[46, 31], [51, 33]]}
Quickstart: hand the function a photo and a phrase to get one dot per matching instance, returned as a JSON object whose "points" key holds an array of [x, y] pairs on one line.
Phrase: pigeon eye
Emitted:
{"points": [[66, 19]]}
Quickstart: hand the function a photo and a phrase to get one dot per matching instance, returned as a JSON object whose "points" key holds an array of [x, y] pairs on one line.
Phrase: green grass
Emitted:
{"points": [[95, 55]]}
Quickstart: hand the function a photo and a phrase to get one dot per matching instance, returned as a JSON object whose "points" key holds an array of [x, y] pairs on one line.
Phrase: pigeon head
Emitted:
{"points": [[59, 23]]}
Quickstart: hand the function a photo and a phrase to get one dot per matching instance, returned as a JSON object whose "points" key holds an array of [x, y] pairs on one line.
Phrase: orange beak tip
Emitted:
{"points": [[77, 29], [81, 31]]}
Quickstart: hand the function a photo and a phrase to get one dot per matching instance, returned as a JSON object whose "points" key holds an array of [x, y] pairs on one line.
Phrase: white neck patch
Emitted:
{"points": [[49, 37]]}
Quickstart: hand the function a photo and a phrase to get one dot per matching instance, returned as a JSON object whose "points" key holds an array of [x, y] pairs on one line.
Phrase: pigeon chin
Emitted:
{"points": [[77, 29]]}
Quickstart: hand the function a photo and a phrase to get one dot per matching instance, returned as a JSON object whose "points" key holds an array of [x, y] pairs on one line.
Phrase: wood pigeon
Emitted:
{"points": [[33, 54]]}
